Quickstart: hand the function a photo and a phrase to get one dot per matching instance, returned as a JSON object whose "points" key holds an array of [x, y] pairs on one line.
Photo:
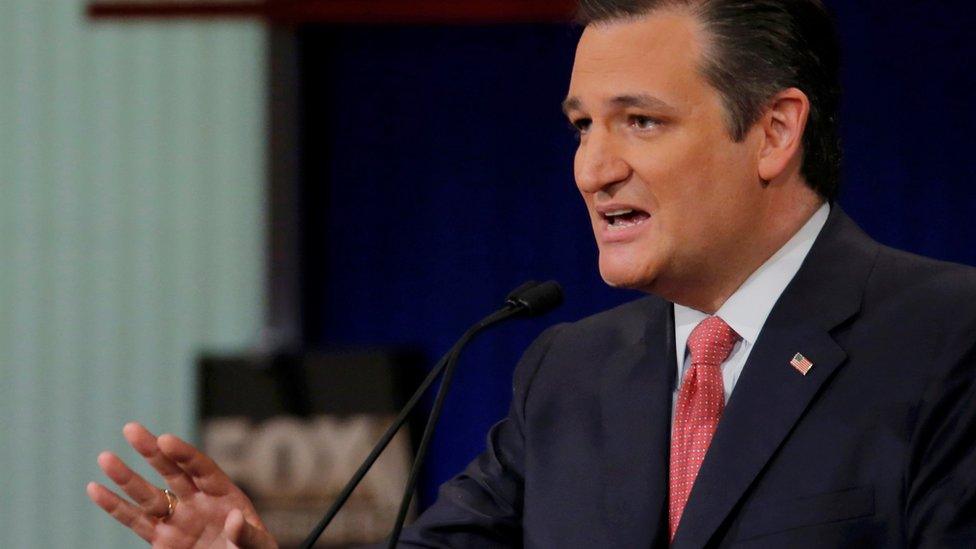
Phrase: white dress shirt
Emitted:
{"points": [[746, 310]]}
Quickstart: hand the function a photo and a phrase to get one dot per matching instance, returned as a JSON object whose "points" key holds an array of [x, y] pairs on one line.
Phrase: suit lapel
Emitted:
{"points": [[636, 417], [771, 395]]}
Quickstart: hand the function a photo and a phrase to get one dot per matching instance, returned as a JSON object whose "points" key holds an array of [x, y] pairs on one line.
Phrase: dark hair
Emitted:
{"points": [[756, 49]]}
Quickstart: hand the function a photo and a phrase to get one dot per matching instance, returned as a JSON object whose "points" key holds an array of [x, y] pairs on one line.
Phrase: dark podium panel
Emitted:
{"points": [[292, 429]]}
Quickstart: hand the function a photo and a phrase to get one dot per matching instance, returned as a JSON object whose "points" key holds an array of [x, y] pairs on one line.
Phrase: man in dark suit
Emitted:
{"points": [[790, 383], [849, 368], [874, 447]]}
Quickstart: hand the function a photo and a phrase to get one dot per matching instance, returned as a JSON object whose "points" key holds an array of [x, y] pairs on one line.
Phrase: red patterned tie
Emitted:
{"points": [[700, 403]]}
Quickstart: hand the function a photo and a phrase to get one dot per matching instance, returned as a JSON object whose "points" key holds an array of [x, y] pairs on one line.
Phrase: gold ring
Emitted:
{"points": [[171, 501]]}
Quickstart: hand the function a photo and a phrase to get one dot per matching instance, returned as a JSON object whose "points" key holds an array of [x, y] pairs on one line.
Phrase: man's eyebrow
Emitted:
{"points": [[571, 104], [643, 101], [640, 100]]}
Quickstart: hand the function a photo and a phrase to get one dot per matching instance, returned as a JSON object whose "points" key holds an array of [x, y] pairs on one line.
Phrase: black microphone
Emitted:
{"points": [[529, 299], [536, 299], [514, 295]]}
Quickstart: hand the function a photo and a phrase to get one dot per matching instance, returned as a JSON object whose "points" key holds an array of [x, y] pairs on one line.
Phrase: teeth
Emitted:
{"points": [[616, 221], [620, 225]]}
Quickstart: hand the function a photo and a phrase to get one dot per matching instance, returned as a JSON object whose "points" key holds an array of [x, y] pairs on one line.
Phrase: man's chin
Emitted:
{"points": [[626, 277]]}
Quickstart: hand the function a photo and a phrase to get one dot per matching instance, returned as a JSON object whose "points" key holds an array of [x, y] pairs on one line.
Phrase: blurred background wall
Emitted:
{"points": [[132, 169], [434, 174]]}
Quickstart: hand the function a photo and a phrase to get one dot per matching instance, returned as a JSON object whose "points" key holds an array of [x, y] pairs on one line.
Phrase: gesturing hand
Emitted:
{"points": [[211, 512]]}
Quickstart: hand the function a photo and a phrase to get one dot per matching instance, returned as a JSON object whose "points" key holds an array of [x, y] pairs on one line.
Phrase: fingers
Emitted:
{"points": [[243, 534], [129, 515], [147, 445], [205, 474], [142, 492]]}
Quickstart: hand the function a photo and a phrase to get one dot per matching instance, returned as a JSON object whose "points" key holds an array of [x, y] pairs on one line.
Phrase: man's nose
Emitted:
{"points": [[599, 163]]}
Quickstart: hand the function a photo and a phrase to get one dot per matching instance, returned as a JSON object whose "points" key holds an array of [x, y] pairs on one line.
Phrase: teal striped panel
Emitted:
{"points": [[132, 167]]}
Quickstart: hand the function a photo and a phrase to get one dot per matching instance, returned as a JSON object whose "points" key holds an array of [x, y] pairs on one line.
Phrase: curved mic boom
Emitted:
{"points": [[529, 299]]}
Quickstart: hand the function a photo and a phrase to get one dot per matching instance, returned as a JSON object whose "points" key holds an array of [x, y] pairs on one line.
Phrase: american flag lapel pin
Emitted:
{"points": [[801, 363]]}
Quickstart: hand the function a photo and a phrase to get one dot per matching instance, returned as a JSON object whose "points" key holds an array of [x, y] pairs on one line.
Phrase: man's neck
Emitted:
{"points": [[709, 294]]}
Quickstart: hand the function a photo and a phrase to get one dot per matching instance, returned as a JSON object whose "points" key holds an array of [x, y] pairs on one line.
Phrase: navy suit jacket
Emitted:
{"points": [[874, 447]]}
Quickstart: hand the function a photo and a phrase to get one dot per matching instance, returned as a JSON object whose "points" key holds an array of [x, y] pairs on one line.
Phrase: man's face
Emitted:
{"points": [[671, 196]]}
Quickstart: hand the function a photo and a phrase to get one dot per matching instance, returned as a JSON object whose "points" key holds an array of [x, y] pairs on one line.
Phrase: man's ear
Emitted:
{"points": [[782, 126]]}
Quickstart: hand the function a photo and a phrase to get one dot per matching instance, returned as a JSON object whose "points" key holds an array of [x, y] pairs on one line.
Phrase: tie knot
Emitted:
{"points": [[711, 341]]}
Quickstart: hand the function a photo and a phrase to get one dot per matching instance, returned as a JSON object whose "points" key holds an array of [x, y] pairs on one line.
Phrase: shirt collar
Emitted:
{"points": [[746, 310]]}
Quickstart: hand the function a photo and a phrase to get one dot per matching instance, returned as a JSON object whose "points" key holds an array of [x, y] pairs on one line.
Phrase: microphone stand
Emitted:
{"points": [[515, 304], [451, 365]]}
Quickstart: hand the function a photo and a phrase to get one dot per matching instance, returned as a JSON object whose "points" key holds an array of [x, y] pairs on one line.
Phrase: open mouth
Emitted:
{"points": [[621, 219]]}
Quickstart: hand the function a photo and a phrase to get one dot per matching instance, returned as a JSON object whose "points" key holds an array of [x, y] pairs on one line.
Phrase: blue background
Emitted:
{"points": [[438, 175]]}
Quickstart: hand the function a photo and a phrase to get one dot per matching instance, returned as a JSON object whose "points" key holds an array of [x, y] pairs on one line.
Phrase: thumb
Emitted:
{"points": [[244, 535]]}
